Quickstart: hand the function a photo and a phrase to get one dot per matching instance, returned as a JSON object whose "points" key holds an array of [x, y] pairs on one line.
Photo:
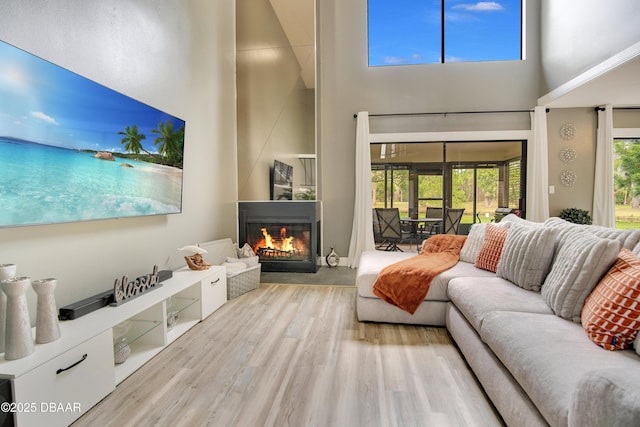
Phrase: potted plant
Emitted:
{"points": [[575, 215]]}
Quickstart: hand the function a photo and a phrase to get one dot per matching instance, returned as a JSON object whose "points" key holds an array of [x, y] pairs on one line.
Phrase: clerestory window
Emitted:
{"points": [[409, 32]]}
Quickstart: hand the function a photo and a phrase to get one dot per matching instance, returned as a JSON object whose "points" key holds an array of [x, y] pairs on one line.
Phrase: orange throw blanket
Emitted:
{"points": [[406, 283]]}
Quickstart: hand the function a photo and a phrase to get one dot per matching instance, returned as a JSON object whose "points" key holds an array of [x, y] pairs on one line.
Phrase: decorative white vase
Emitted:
{"points": [[47, 326], [18, 341], [7, 271]]}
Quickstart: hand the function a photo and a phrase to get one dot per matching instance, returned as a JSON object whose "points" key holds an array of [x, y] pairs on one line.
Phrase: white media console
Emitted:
{"points": [[63, 379]]}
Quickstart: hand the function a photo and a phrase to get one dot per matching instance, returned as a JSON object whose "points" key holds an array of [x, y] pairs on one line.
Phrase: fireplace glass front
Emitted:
{"points": [[284, 234], [280, 242]]}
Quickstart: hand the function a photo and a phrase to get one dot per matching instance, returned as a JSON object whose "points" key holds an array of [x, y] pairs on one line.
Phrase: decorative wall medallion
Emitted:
{"points": [[567, 155], [567, 131], [568, 178]]}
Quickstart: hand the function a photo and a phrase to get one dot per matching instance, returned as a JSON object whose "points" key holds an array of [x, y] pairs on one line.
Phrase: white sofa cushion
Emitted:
{"points": [[475, 299], [548, 356], [605, 395], [582, 260], [527, 255], [371, 262]]}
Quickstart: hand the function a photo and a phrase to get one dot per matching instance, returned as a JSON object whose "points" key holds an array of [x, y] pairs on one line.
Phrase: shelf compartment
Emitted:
{"points": [[180, 304], [136, 330], [145, 336]]}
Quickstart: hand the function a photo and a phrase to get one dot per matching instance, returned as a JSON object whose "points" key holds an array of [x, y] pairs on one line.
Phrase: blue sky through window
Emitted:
{"points": [[404, 32]]}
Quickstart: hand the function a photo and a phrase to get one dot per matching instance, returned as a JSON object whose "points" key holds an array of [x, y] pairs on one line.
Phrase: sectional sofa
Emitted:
{"points": [[522, 328]]}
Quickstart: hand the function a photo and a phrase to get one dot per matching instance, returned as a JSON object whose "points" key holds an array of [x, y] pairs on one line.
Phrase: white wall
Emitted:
{"points": [[579, 34], [275, 108], [580, 195], [347, 85], [176, 56]]}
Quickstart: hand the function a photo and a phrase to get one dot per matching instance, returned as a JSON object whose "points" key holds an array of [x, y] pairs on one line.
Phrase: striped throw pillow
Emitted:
{"points": [[611, 314], [491, 249]]}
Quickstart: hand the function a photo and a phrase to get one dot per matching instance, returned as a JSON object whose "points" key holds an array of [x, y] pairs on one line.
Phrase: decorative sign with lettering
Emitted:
{"points": [[124, 290]]}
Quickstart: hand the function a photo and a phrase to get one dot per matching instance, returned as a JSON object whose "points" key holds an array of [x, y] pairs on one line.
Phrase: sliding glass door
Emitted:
{"points": [[477, 176], [390, 187]]}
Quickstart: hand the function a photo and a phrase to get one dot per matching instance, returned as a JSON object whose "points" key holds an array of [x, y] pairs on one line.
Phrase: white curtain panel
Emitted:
{"points": [[603, 190], [362, 229], [538, 167]]}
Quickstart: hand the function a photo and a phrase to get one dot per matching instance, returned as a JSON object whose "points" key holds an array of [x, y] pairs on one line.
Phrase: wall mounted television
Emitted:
{"points": [[281, 181], [74, 150]]}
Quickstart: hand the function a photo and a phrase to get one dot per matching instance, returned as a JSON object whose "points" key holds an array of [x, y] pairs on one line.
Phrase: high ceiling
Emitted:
{"points": [[615, 81], [297, 18]]}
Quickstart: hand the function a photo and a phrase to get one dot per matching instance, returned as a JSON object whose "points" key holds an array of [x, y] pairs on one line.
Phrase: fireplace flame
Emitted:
{"points": [[268, 243], [285, 243]]}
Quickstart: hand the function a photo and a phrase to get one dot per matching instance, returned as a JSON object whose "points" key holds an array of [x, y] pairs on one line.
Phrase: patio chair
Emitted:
{"points": [[452, 220], [389, 228], [431, 228], [376, 227]]}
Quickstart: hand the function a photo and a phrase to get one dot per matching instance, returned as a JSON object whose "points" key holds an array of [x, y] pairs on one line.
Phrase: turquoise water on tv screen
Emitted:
{"points": [[41, 184]]}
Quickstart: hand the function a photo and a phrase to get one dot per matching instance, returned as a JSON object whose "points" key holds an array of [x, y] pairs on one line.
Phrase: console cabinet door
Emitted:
{"points": [[214, 290], [61, 390]]}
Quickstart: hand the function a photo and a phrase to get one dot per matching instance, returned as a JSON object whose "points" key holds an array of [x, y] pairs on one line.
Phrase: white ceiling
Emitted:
{"points": [[297, 18], [615, 81]]}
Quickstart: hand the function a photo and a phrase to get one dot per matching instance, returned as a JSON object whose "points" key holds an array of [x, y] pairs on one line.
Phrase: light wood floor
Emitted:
{"points": [[295, 355]]}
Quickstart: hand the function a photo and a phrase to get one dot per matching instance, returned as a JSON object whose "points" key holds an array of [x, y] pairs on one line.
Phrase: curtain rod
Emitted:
{"points": [[447, 112], [618, 108]]}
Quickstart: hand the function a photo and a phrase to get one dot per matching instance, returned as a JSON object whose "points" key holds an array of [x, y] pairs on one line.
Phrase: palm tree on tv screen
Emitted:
{"points": [[132, 139], [170, 142]]}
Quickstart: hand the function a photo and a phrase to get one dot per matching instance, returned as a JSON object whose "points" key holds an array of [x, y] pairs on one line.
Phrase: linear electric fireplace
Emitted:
{"points": [[284, 234]]}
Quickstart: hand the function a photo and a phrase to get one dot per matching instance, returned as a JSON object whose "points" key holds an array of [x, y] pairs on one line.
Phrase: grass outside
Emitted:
{"points": [[627, 217]]}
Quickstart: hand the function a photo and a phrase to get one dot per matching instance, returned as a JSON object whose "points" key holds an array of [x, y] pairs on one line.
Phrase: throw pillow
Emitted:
{"points": [[473, 244], [627, 238], [491, 249], [245, 251], [527, 255], [611, 314], [580, 263]]}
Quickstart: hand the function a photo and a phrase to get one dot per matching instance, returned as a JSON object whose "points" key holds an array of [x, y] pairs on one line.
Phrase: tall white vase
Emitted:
{"points": [[47, 326], [7, 271], [18, 342]]}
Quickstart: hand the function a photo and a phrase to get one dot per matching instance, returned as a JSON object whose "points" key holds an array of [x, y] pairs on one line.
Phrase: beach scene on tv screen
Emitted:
{"points": [[74, 150]]}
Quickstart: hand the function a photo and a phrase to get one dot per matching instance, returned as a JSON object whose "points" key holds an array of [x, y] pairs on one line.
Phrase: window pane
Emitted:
{"points": [[487, 192], [400, 191], [390, 188], [377, 187], [403, 32], [513, 169], [406, 32], [482, 31], [626, 179], [429, 193], [462, 189]]}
